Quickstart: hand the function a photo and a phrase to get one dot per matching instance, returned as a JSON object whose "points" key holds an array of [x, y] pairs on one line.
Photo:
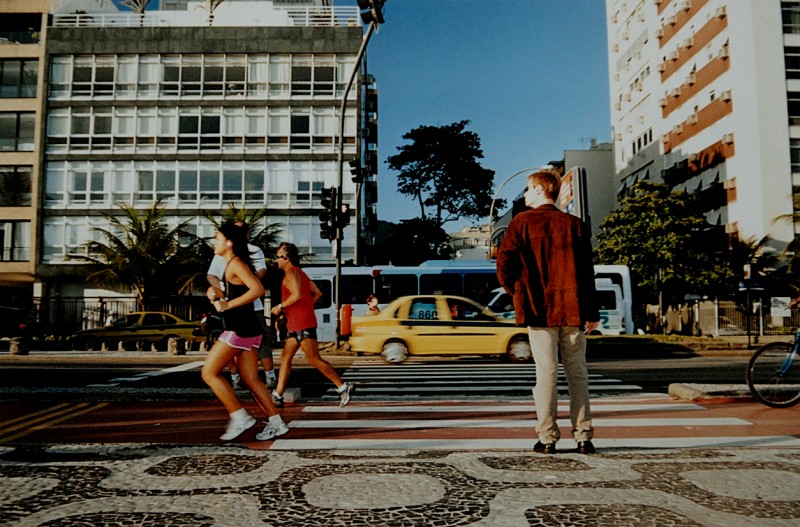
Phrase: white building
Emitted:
{"points": [[195, 110], [705, 96]]}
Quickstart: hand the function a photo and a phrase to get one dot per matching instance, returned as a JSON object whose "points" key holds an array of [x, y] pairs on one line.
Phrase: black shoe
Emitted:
{"points": [[586, 447], [544, 448]]}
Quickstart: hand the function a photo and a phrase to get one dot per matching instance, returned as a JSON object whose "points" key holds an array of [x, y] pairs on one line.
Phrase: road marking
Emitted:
{"points": [[55, 418], [4, 424], [412, 424], [165, 371], [526, 445], [450, 408]]}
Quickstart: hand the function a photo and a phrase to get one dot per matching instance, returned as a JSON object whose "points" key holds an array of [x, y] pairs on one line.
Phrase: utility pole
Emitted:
{"points": [[372, 14]]}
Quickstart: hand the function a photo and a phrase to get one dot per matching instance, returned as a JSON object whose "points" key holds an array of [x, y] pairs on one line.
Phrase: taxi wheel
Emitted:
{"points": [[395, 351], [519, 349]]}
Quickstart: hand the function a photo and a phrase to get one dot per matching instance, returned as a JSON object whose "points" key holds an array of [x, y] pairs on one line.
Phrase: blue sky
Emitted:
{"points": [[530, 75]]}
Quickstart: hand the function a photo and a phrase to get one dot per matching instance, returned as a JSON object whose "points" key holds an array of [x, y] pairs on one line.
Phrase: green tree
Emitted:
{"points": [[439, 168], [669, 248], [411, 242], [140, 251], [788, 274]]}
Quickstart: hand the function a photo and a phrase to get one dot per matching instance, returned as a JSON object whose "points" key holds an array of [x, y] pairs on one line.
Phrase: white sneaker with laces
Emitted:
{"points": [[344, 394], [274, 428], [237, 426]]}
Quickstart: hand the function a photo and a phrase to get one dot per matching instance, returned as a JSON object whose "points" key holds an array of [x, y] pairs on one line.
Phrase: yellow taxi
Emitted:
{"points": [[437, 325]]}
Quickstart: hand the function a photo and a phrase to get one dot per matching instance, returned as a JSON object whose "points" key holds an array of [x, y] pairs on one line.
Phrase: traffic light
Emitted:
{"points": [[357, 171], [329, 217], [371, 11], [344, 216]]}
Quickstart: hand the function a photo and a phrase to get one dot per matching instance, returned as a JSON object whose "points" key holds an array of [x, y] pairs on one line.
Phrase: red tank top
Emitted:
{"points": [[300, 315]]}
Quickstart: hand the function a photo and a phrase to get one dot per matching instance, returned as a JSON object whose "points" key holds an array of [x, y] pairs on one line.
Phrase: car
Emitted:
{"points": [[19, 323], [437, 325], [139, 329]]}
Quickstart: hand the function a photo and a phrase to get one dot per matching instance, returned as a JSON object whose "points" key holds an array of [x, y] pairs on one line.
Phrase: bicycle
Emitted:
{"points": [[773, 374]]}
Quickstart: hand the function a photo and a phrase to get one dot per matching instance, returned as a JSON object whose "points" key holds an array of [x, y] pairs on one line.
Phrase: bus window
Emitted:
{"points": [[480, 287], [326, 287], [441, 284], [355, 289], [607, 299], [391, 286]]}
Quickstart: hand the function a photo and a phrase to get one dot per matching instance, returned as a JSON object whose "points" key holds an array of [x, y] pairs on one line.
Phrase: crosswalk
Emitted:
{"points": [[425, 378], [620, 423]]}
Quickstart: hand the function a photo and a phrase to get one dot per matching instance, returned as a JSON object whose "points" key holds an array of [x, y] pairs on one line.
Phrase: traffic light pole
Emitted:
{"points": [[340, 156]]}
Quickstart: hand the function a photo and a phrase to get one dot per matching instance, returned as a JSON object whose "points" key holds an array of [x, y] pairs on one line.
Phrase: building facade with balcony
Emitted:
{"points": [[702, 98], [197, 110]]}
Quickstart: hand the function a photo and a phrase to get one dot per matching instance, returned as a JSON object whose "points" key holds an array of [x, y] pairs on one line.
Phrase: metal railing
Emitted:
{"points": [[289, 16]]}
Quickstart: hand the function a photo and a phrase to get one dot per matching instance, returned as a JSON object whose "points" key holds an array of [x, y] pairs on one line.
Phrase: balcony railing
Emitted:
{"points": [[278, 17]]}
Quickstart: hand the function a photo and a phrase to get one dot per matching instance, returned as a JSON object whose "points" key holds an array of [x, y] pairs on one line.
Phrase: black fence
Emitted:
{"points": [[60, 316]]}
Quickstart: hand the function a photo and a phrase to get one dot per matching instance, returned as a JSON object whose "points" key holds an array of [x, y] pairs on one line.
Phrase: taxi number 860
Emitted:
{"points": [[427, 314]]}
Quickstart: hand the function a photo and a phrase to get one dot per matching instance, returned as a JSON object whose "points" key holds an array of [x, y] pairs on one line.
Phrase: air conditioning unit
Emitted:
{"points": [[626, 36], [614, 18], [691, 79], [677, 129], [665, 139], [673, 56], [619, 137], [615, 48], [639, 86], [640, 119], [720, 12], [688, 43], [672, 20], [723, 53], [659, 33], [662, 102], [662, 67], [629, 128], [727, 139], [674, 93], [618, 105], [637, 55], [640, 17], [627, 97], [693, 158], [686, 5], [692, 119], [726, 96]]}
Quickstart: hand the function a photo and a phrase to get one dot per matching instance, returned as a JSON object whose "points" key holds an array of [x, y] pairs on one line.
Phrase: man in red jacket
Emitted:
{"points": [[545, 263]]}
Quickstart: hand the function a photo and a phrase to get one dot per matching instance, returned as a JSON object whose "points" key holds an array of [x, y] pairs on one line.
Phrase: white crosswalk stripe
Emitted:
{"points": [[415, 379], [620, 423]]}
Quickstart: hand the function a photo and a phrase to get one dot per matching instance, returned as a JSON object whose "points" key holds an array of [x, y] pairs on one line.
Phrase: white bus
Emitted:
{"points": [[475, 279]]}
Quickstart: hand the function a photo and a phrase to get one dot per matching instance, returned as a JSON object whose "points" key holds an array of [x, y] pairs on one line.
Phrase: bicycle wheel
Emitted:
{"points": [[773, 375]]}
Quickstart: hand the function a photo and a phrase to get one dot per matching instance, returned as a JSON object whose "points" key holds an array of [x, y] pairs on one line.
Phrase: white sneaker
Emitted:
{"points": [[236, 381], [237, 426], [273, 429], [344, 394]]}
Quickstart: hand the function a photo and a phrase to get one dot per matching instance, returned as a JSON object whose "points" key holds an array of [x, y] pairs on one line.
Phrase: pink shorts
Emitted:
{"points": [[235, 341]]}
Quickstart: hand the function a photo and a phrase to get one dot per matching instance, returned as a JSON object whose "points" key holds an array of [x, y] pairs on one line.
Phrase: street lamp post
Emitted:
{"points": [[494, 198], [371, 10]]}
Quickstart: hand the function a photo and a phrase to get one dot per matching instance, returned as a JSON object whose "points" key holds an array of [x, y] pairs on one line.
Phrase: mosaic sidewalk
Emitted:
{"points": [[232, 486]]}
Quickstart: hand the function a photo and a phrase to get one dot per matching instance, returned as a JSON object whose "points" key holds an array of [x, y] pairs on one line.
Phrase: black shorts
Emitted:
{"points": [[310, 333]]}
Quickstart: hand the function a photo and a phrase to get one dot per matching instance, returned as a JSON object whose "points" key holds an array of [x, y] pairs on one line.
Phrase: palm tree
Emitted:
{"points": [[137, 6], [140, 251], [265, 237]]}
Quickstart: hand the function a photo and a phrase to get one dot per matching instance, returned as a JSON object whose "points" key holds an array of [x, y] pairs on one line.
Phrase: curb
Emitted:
{"points": [[698, 392]]}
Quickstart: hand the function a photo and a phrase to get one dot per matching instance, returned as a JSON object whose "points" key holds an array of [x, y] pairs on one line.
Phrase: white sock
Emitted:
{"points": [[270, 374], [275, 419], [240, 415], [342, 388], [235, 376]]}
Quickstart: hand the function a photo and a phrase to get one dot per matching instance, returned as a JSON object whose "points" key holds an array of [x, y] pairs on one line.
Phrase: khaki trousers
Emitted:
{"points": [[545, 344]]}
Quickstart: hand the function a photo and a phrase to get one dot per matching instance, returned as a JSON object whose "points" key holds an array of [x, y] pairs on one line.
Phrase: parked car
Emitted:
{"points": [[139, 329], [437, 325], [19, 323]]}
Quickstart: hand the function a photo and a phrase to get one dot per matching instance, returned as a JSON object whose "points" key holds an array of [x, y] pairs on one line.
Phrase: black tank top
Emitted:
{"points": [[242, 319]]}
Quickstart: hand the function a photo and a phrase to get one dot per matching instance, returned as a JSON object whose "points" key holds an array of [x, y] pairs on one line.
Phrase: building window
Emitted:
{"points": [[790, 12], [792, 60], [794, 150], [16, 131], [20, 28], [18, 78], [793, 103], [15, 186], [15, 245]]}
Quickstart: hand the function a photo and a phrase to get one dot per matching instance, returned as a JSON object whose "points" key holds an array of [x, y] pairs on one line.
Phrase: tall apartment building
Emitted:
{"points": [[703, 98], [192, 108], [23, 26]]}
